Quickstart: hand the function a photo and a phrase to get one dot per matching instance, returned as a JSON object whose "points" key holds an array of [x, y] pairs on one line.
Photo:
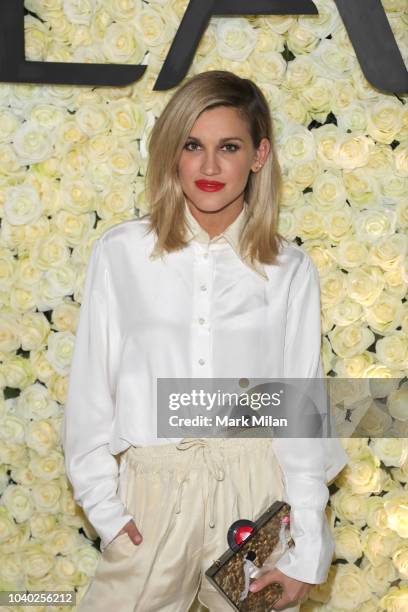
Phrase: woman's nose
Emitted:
{"points": [[210, 163]]}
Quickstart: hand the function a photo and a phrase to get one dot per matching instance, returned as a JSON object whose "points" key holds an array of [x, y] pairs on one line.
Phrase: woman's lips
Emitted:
{"points": [[209, 185]]}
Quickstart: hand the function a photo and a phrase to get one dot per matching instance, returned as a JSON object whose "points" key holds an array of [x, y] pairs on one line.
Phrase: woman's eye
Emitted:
{"points": [[189, 144], [195, 144], [235, 147]]}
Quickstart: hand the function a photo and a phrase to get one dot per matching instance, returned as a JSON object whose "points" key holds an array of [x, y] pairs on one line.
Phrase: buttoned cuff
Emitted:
{"points": [[310, 558]]}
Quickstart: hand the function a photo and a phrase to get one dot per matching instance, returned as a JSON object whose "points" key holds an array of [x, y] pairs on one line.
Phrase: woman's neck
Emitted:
{"points": [[215, 222]]}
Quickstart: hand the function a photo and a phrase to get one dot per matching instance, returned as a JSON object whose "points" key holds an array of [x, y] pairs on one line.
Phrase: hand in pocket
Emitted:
{"points": [[132, 531]]}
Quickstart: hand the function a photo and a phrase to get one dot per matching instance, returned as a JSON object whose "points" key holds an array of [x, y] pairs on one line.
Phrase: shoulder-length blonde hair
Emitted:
{"points": [[259, 239]]}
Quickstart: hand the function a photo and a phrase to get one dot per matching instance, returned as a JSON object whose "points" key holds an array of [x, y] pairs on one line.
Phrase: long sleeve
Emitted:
{"points": [[89, 408], [304, 461]]}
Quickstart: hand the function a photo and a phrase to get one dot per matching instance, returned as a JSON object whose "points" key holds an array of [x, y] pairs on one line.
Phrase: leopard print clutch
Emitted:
{"points": [[258, 553]]}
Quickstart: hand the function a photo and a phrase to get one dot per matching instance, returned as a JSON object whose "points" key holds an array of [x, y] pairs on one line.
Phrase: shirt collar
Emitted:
{"points": [[231, 234]]}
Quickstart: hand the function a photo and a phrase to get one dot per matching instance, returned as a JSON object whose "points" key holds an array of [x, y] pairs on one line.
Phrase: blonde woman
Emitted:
{"points": [[202, 287]]}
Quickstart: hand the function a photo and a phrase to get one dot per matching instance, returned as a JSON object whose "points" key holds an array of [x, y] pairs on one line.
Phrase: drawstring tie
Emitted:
{"points": [[214, 466]]}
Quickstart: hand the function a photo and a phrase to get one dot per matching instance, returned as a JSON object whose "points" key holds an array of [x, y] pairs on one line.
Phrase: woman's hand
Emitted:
{"points": [[293, 590], [132, 531]]}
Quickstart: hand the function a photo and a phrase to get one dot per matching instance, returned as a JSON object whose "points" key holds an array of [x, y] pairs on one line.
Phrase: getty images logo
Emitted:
{"points": [[365, 21]]}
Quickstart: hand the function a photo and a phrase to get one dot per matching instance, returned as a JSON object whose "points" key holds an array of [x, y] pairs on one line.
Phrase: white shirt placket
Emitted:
{"points": [[201, 329]]}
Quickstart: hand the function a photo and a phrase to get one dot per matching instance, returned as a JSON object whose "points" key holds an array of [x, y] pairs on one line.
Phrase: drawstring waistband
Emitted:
{"points": [[214, 466]]}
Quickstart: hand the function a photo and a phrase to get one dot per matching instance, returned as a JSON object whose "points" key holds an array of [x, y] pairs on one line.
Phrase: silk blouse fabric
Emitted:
{"points": [[199, 312]]}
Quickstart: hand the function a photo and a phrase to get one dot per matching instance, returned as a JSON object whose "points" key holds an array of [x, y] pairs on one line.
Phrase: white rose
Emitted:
{"points": [[34, 331], [9, 122], [155, 28], [326, 22], [318, 98], [309, 222], [326, 138], [9, 162], [333, 60], [401, 159], [297, 146], [122, 9], [48, 116], [352, 340], [49, 467], [395, 189], [376, 515], [17, 372], [86, 559], [396, 600], [41, 436], [74, 228], [353, 118], [271, 66], [35, 403], [391, 451], [365, 284], [17, 500], [393, 350], [78, 194], [304, 173], [387, 252], [301, 39], [385, 314], [396, 508], [363, 189], [9, 332], [12, 429], [381, 162], [350, 253], [236, 38], [350, 507], [92, 119], [345, 312], [295, 109], [32, 142], [350, 589], [128, 117], [384, 120], [124, 160], [120, 44], [22, 205], [332, 287], [50, 252], [117, 200], [354, 367], [374, 223], [79, 11], [59, 353], [375, 422], [347, 542], [338, 224], [378, 547], [397, 403], [36, 39], [379, 577], [352, 151], [328, 190], [400, 560]]}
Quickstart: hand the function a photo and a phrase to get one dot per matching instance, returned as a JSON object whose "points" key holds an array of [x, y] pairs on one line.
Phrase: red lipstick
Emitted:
{"points": [[209, 185]]}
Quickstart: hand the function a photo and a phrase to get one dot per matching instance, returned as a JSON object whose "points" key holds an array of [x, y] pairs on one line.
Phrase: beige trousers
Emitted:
{"points": [[183, 498]]}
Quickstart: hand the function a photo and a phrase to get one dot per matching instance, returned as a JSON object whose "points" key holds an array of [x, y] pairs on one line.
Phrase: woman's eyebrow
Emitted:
{"points": [[221, 139]]}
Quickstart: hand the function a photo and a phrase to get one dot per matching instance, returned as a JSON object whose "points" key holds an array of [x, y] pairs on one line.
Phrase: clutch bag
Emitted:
{"points": [[265, 542]]}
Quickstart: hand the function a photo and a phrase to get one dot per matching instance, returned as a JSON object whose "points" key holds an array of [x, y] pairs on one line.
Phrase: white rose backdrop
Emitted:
{"points": [[72, 164]]}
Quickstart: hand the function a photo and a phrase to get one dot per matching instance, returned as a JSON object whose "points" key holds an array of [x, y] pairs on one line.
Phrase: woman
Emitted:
{"points": [[202, 287]]}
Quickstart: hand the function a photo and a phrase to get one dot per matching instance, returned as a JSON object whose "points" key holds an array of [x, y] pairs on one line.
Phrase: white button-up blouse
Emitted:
{"points": [[199, 312]]}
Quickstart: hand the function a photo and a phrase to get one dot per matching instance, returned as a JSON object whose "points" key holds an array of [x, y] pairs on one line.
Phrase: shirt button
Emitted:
{"points": [[203, 287], [201, 361], [201, 321]]}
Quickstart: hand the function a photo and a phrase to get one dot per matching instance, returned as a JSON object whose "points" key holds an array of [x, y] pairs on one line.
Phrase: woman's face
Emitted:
{"points": [[219, 149]]}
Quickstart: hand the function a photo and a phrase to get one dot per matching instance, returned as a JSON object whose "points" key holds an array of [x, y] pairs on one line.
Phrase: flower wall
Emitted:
{"points": [[72, 164]]}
